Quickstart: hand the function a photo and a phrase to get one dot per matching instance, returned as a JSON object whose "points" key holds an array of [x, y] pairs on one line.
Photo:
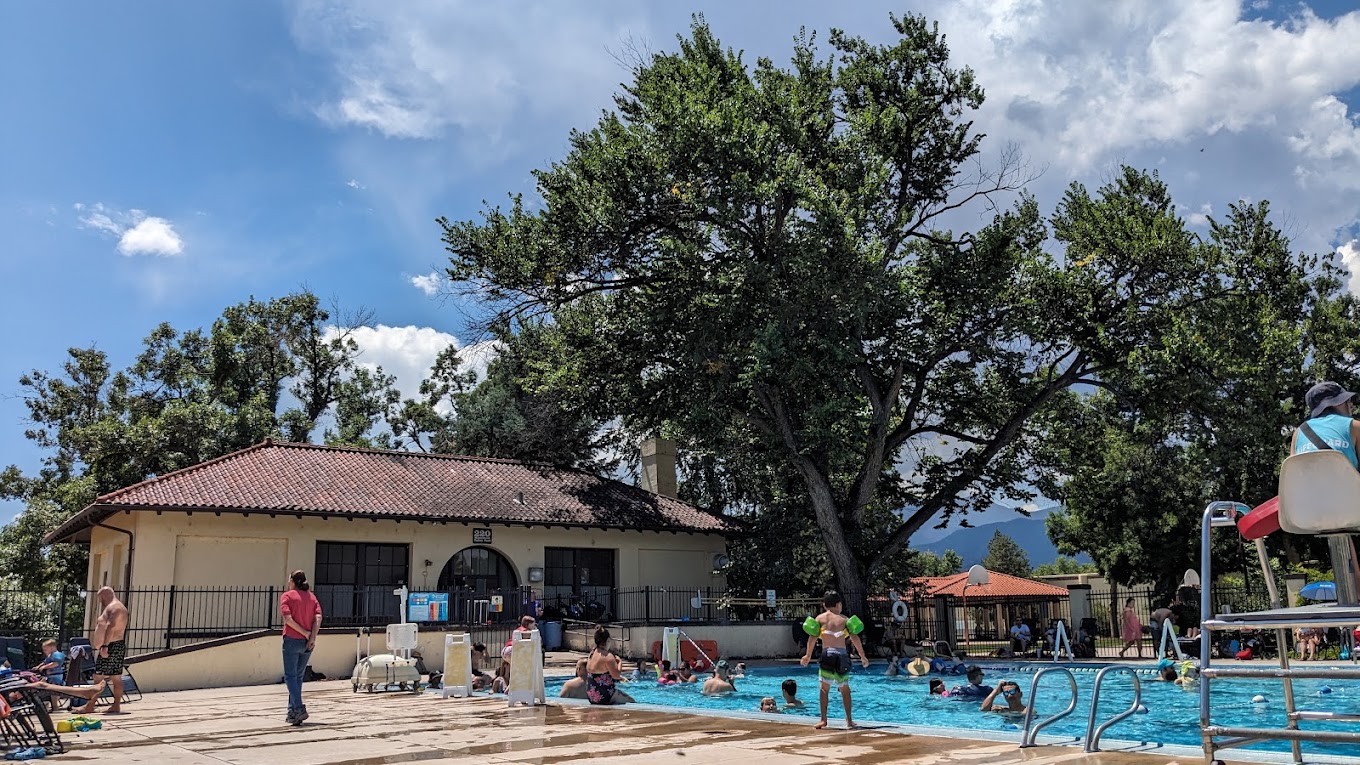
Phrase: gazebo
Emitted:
{"points": [[993, 606]]}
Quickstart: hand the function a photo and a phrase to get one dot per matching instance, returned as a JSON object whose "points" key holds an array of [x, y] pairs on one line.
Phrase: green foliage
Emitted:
{"points": [[187, 397], [930, 564], [1005, 556], [751, 259], [1064, 565], [1207, 418]]}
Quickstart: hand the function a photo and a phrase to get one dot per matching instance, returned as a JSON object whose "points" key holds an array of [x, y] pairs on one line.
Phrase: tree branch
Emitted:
{"points": [[978, 460]]}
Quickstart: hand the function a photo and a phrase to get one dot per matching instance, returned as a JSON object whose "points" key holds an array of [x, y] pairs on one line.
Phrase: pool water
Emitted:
{"points": [[1172, 717]]}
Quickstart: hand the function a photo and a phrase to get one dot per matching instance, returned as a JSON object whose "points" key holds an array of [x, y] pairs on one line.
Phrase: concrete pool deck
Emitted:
{"points": [[245, 726]]}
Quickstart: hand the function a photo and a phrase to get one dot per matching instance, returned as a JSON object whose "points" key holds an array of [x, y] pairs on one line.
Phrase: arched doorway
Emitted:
{"points": [[480, 570]]}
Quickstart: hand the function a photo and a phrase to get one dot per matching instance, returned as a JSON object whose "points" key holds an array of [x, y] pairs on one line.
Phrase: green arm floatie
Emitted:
{"points": [[812, 627], [854, 625]]}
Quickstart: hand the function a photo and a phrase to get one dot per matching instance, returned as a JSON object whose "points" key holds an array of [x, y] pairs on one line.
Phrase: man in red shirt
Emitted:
{"points": [[301, 623]]}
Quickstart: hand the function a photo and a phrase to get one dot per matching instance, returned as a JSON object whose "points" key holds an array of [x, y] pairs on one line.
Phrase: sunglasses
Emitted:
{"points": [[1010, 691]]}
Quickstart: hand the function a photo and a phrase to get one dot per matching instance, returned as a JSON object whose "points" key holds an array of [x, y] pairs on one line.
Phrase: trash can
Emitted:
{"points": [[552, 636]]}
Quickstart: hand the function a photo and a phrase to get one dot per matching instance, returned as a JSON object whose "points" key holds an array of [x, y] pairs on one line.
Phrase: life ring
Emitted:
{"points": [[900, 611]]}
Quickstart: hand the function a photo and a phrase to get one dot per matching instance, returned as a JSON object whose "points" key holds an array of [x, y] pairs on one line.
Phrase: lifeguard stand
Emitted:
{"points": [[1319, 496]]}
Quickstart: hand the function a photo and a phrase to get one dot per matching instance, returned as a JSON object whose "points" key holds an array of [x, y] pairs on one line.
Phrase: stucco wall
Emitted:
{"points": [[279, 545]]}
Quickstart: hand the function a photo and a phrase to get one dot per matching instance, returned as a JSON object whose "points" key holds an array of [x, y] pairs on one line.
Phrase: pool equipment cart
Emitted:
{"points": [[1319, 495], [388, 671]]}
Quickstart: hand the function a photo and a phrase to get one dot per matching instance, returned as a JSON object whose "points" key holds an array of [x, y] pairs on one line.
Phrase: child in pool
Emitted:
{"points": [[790, 690]]}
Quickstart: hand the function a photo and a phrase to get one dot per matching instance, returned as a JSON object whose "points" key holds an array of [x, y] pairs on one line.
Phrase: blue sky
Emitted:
{"points": [[162, 160]]}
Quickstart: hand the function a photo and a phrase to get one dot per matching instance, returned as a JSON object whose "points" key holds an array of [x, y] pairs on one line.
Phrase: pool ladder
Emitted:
{"points": [[1093, 733]]}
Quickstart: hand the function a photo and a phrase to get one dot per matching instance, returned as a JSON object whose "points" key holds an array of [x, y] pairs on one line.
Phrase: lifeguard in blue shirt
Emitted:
{"points": [[1330, 417]]}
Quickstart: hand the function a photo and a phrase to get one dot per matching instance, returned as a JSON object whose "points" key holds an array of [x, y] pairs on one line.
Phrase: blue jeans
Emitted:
{"points": [[295, 659]]}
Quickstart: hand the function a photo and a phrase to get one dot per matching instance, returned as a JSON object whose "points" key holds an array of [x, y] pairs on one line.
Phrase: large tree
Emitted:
{"points": [[1142, 467], [758, 256]]}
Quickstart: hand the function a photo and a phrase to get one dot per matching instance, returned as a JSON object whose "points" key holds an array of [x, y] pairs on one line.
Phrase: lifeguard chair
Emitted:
{"points": [[1319, 496]]}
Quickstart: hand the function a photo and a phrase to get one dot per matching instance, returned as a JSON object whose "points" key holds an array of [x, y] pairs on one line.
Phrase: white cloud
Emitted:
{"points": [[137, 232], [409, 352], [354, 184], [1350, 257], [151, 236], [421, 69], [1225, 104], [429, 283]]}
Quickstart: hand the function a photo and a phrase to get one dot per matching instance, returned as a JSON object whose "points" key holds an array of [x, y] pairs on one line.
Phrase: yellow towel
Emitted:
{"points": [[457, 666]]}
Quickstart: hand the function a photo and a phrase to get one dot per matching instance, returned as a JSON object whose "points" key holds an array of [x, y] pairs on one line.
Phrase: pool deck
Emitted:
{"points": [[245, 725]]}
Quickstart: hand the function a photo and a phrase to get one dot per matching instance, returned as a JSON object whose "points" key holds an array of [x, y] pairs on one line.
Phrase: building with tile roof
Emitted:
{"points": [[361, 522]]}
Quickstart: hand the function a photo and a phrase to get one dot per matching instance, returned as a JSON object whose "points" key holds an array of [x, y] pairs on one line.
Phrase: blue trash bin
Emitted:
{"points": [[552, 636]]}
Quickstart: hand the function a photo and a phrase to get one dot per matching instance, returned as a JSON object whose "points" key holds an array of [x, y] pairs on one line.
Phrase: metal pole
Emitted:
{"points": [[1282, 643], [170, 617], [967, 637], [61, 620], [1204, 564]]}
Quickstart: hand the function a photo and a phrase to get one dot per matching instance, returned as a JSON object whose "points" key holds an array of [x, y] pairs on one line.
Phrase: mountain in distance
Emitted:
{"points": [[1028, 532]]}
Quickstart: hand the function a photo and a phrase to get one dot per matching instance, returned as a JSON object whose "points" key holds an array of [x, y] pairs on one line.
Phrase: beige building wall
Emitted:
{"points": [[257, 550]]}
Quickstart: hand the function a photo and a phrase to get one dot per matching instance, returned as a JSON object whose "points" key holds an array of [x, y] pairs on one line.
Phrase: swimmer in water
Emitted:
{"points": [[1012, 699]]}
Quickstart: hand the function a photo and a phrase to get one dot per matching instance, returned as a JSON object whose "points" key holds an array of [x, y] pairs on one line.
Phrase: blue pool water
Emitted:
{"points": [[1172, 718]]}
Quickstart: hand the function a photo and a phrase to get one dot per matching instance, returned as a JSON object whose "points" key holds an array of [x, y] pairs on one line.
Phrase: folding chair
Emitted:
{"points": [[80, 671], [28, 724]]}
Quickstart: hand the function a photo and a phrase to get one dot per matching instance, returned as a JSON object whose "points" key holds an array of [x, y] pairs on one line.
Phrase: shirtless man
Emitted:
{"points": [[721, 682], [110, 649], [575, 688], [834, 668]]}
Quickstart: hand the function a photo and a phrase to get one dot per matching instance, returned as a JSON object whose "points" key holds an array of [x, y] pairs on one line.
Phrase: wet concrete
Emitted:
{"points": [[245, 726]]}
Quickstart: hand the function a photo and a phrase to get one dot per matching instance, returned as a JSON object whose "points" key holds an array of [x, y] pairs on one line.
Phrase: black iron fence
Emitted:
{"points": [[37, 616], [170, 617]]}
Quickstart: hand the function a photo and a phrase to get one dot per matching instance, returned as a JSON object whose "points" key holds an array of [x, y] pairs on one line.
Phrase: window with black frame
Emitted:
{"points": [[354, 581], [580, 580]]}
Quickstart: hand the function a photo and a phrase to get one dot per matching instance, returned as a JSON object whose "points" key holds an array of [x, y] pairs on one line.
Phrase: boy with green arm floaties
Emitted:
{"points": [[834, 630]]}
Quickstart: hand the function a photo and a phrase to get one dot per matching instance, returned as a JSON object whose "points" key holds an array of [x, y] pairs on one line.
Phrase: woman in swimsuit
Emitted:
{"points": [[602, 673]]}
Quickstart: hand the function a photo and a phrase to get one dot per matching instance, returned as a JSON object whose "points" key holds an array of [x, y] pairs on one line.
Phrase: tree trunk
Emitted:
{"points": [[850, 580]]}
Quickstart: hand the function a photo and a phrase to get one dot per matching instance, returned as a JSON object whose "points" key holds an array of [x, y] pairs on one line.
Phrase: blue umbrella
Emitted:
{"points": [[1319, 591]]}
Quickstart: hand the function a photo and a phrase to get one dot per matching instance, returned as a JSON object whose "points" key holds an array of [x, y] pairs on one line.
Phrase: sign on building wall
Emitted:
{"points": [[481, 536], [427, 607]]}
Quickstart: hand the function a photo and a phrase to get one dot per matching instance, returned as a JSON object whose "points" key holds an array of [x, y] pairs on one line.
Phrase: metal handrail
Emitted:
{"points": [[1093, 733], [1221, 514], [1029, 735]]}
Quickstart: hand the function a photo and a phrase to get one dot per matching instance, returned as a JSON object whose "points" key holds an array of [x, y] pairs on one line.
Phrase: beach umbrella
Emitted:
{"points": [[1319, 591]]}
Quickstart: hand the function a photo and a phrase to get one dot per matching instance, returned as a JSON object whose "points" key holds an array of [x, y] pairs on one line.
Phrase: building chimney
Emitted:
{"points": [[658, 466]]}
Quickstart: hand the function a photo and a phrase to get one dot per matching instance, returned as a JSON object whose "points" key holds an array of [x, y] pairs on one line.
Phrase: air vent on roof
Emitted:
{"points": [[519, 497]]}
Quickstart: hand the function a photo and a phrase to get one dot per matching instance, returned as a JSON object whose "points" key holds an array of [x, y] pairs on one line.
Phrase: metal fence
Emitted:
{"points": [[170, 617], [38, 616]]}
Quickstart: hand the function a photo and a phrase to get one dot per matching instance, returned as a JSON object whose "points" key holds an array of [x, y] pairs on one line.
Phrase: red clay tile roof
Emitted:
{"points": [[305, 479], [1000, 586]]}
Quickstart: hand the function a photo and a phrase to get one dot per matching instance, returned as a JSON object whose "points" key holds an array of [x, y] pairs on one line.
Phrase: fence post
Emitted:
{"points": [[269, 609], [170, 617], [647, 605], [62, 635]]}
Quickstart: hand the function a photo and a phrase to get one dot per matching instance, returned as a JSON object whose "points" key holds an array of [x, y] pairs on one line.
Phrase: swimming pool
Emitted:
{"points": [[1172, 718]]}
